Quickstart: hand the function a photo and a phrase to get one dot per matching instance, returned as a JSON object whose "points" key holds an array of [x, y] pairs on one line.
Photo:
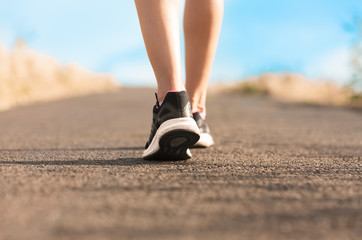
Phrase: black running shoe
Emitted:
{"points": [[206, 139], [173, 129]]}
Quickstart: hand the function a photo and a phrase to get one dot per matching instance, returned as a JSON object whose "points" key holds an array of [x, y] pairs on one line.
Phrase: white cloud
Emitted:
{"points": [[138, 72], [334, 65], [226, 72], [6, 36]]}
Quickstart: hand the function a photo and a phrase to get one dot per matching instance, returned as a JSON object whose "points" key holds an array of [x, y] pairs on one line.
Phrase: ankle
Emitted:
{"points": [[197, 107]]}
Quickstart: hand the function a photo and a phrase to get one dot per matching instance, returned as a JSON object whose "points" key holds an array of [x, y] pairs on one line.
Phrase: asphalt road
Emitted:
{"points": [[71, 169]]}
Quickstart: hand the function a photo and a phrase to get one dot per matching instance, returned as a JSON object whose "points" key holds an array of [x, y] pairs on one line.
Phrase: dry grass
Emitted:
{"points": [[27, 77], [296, 88]]}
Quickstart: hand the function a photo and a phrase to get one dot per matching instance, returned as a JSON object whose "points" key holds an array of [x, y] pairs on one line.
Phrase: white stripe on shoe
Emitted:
{"points": [[173, 138]]}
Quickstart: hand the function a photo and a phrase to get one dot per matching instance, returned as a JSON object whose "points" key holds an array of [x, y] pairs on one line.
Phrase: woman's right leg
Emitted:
{"points": [[159, 20], [202, 23]]}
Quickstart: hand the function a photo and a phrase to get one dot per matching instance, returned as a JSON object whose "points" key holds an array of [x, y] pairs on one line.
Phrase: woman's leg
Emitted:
{"points": [[173, 128], [159, 20], [202, 23]]}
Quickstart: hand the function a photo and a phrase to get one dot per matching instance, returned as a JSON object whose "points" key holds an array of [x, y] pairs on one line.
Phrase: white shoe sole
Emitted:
{"points": [[205, 141], [172, 140]]}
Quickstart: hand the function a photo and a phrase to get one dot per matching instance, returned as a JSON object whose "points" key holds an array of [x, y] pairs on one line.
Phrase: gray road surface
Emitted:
{"points": [[71, 169]]}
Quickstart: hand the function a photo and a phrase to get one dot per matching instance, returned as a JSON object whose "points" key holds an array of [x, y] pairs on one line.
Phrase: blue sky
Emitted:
{"points": [[311, 37]]}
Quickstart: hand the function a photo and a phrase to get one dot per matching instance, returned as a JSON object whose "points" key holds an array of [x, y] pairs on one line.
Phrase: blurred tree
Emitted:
{"points": [[357, 57]]}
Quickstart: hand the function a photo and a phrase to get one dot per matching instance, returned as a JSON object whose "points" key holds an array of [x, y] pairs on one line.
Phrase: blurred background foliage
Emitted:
{"points": [[356, 60]]}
